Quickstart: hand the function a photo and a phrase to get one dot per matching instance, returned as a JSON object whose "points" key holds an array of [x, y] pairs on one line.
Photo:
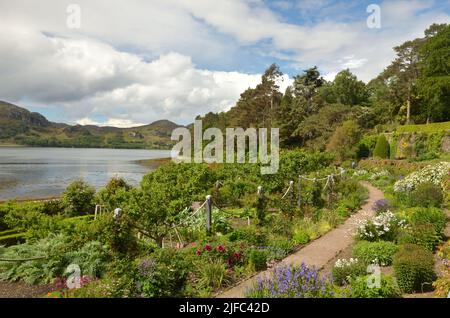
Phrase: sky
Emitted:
{"points": [[128, 63]]}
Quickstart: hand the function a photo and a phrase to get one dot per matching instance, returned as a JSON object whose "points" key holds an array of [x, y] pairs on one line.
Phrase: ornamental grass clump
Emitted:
{"points": [[384, 226], [292, 282], [433, 173]]}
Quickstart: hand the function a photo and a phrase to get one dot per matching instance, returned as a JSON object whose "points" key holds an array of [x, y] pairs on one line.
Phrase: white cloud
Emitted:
{"points": [[89, 78], [137, 61], [113, 122]]}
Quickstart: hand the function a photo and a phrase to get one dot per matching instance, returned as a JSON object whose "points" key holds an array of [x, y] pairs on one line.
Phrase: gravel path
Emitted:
{"points": [[22, 290], [321, 251]]}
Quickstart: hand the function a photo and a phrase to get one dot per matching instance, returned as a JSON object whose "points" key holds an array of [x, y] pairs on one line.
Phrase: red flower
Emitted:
{"points": [[237, 256], [220, 248], [208, 247], [198, 252]]}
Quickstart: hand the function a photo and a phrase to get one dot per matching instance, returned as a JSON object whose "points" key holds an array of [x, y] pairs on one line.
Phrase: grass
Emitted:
{"points": [[425, 128]]}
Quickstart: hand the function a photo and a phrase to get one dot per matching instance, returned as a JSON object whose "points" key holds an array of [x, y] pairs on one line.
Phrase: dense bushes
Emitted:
{"points": [[388, 288], [381, 148], [345, 270], [425, 227], [78, 199], [380, 252], [384, 226], [427, 194], [162, 274], [57, 253], [414, 268]]}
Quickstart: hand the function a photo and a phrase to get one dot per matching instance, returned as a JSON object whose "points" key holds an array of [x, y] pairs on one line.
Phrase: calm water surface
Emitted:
{"points": [[45, 172]]}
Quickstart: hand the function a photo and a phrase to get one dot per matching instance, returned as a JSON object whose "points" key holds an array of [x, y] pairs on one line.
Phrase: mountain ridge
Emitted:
{"points": [[20, 126]]}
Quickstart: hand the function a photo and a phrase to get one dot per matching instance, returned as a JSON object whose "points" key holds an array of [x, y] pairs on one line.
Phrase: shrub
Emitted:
{"points": [[413, 267], [292, 282], [427, 194], [78, 198], [381, 253], [423, 234], [442, 284], [279, 247], [384, 226], [280, 224], [432, 173], [381, 148], [251, 235], [58, 252], [258, 259], [162, 274], [381, 206], [388, 288], [433, 216], [345, 270], [52, 207], [301, 237]]}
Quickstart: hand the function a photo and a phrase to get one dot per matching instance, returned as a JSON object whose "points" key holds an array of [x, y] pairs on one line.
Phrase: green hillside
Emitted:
{"points": [[19, 126]]}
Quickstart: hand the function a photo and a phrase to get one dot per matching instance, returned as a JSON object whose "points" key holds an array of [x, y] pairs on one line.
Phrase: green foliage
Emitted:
{"points": [[257, 258], [346, 270], [423, 234], [261, 206], [427, 194], [212, 274], [78, 198], [251, 235], [381, 252], [344, 139], [119, 234], [348, 90], [163, 274], [424, 128], [115, 192], [381, 148], [59, 252], [366, 146], [434, 216], [388, 288], [414, 268], [434, 80], [278, 248], [164, 194]]}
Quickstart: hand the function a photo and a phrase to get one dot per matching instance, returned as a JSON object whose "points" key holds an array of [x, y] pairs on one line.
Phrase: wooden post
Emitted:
{"points": [[291, 191], [208, 207], [299, 201], [330, 188]]}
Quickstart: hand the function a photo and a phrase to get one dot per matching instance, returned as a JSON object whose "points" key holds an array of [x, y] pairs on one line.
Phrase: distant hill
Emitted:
{"points": [[18, 126]]}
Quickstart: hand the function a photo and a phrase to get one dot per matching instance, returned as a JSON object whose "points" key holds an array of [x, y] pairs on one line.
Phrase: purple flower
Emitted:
{"points": [[292, 282]]}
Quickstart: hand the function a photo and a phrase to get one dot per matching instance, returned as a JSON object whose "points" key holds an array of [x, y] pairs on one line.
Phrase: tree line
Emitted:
{"points": [[318, 114]]}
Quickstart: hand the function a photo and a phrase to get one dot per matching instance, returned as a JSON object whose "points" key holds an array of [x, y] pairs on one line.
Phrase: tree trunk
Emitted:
{"points": [[408, 106]]}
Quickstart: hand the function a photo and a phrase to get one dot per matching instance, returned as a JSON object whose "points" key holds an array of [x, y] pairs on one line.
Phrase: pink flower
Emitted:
{"points": [[208, 247], [198, 252], [220, 248]]}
